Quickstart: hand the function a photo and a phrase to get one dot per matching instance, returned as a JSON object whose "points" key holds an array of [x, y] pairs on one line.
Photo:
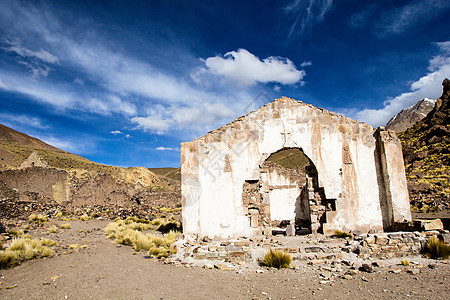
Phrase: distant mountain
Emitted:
{"points": [[426, 151], [410, 115]]}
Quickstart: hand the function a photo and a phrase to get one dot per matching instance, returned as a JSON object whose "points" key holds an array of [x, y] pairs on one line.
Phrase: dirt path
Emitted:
{"points": [[104, 271]]}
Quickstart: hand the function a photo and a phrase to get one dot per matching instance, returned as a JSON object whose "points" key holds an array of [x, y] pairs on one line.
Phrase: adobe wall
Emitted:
{"points": [[44, 183], [215, 167]]}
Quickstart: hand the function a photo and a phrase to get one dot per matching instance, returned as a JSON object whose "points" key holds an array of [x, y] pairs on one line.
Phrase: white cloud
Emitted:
{"points": [[306, 64], [155, 124], [304, 14], [127, 136], [65, 145], [116, 132], [107, 80], [411, 14], [428, 86], [3, 85], [16, 47], [21, 121], [167, 149], [244, 69]]}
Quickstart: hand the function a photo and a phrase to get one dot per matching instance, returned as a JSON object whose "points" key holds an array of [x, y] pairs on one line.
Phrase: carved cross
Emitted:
{"points": [[285, 134]]}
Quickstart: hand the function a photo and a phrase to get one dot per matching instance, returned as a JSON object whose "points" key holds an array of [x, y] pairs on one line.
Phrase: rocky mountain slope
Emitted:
{"points": [[51, 175], [410, 115], [426, 151]]}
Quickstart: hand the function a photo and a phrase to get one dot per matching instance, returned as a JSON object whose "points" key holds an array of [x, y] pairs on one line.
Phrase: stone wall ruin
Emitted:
{"points": [[355, 180]]}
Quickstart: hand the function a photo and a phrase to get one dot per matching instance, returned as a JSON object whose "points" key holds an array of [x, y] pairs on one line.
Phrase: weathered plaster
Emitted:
{"points": [[215, 167]]}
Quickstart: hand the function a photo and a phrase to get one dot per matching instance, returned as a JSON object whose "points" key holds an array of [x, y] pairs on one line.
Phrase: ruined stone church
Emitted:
{"points": [[352, 177]]}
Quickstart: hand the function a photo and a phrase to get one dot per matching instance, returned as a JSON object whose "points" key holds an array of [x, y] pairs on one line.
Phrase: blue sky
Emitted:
{"points": [[124, 82]]}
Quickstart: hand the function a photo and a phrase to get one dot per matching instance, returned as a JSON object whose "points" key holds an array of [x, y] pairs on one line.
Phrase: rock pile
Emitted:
{"points": [[312, 250]]}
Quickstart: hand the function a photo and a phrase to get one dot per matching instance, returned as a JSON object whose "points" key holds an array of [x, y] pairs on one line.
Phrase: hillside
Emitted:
{"points": [[172, 173], [51, 177], [426, 151], [15, 147]]}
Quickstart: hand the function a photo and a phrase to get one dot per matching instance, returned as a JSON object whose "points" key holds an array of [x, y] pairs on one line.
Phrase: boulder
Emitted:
{"points": [[433, 224]]}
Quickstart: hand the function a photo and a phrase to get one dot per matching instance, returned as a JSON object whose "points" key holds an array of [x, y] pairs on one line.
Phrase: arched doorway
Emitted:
{"points": [[287, 196]]}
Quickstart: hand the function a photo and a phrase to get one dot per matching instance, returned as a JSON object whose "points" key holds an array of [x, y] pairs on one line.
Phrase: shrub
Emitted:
{"points": [[405, 262], [435, 248], [342, 234], [53, 229], [127, 232], [38, 218], [65, 226], [95, 215], [277, 259], [157, 222], [168, 226], [84, 217], [16, 232], [23, 249], [48, 242]]}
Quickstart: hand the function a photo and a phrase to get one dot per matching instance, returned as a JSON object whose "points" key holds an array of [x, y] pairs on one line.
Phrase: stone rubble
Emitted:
{"points": [[332, 258]]}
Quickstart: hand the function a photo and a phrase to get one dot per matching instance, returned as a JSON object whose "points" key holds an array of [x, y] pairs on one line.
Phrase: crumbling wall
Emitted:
{"points": [[216, 166], [38, 183], [34, 160], [394, 198]]}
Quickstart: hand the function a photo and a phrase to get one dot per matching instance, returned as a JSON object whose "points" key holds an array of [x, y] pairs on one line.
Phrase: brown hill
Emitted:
{"points": [[69, 179], [10, 135], [426, 150], [172, 173]]}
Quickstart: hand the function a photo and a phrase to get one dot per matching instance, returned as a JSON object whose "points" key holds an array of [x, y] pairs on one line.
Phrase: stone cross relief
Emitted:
{"points": [[286, 133], [227, 167], [346, 156]]}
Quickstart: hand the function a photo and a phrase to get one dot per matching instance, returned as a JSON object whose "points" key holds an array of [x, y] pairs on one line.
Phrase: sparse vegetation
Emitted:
{"points": [[16, 232], [53, 229], [277, 259], [38, 219], [23, 249], [128, 232], [85, 217], [341, 234], [65, 226], [405, 262], [48, 242], [435, 248]]}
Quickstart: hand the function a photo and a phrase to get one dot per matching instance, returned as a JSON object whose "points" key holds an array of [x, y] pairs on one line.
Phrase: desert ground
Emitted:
{"points": [[102, 270]]}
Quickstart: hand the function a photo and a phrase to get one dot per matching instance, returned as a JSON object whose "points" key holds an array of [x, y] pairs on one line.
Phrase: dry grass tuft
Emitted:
{"points": [[341, 234], [65, 226], [40, 219], [277, 259], [405, 262], [168, 226], [436, 248], [48, 242], [23, 249], [84, 217], [128, 232], [53, 229], [16, 232]]}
